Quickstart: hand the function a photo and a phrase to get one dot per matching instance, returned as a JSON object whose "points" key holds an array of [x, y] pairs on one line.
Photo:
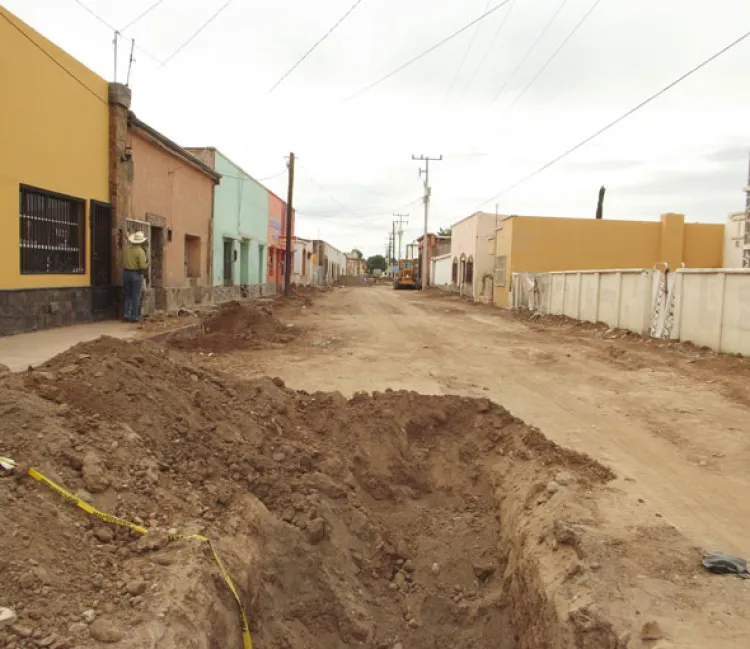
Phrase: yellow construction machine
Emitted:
{"points": [[405, 274]]}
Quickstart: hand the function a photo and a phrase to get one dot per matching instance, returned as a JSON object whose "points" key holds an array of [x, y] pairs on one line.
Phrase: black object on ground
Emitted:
{"points": [[725, 564]]}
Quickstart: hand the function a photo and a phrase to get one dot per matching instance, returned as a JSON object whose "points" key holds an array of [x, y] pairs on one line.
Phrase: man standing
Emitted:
{"points": [[134, 265]]}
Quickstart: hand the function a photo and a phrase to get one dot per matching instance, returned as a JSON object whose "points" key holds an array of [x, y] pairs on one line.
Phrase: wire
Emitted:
{"points": [[142, 15], [318, 42], [489, 49], [248, 177], [324, 190], [426, 52], [115, 30], [621, 118], [466, 54], [196, 32], [555, 53], [531, 49], [53, 59]]}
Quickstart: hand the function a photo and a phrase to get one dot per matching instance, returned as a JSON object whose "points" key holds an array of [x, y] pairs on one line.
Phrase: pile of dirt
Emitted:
{"points": [[385, 520], [235, 325], [351, 280]]}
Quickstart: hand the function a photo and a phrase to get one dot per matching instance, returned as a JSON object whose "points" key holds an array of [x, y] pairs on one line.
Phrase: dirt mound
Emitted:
{"points": [[351, 280], [234, 325], [381, 520]]}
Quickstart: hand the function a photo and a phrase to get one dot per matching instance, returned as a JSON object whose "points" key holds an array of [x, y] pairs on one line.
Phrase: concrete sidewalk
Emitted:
{"points": [[21, 350]]}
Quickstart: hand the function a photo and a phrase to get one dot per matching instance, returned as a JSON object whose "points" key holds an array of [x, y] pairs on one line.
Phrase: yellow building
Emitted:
{"points": [[542, 244], [54, 172]]}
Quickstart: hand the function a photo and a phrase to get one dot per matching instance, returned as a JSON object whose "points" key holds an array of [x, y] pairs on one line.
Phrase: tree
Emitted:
{"points": [[376, 262], [444, 232], [358, 253]]}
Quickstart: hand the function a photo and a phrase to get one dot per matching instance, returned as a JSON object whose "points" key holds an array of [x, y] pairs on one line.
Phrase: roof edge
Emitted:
{"points": [[173, 147]]}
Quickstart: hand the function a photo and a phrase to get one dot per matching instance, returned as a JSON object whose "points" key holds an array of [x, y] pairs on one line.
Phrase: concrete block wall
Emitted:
{"points": [[710, 307]]}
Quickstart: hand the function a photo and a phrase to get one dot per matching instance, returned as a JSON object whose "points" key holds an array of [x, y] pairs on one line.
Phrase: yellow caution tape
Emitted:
{"points": [[247, 643]]}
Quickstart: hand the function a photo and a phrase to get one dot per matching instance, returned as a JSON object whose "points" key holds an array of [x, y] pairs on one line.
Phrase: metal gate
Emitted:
{"points": [[103, 294]]}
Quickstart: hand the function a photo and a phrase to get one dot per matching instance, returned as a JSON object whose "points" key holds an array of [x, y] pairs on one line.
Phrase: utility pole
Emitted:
{"points": [[389, 253], [393, 269], [400, 233], [427, 192], [289, 211]]}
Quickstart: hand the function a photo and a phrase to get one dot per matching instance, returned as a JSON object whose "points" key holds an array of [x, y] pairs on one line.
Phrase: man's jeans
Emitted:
{"points": [[132, 284]]}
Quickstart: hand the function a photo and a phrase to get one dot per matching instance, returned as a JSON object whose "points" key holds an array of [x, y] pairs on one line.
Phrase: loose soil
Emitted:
{"points": [[671, 423], [235, 325], [385, 519]]}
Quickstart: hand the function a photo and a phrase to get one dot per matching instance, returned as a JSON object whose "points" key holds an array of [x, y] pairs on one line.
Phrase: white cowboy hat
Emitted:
{"points": [[137, 237]]}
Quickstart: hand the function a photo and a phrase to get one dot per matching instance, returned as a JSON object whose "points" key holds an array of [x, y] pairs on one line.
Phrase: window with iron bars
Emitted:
{"points": [[52, 233]]}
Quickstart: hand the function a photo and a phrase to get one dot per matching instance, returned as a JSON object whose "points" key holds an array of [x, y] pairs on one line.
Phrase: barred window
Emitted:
{"points": [[52, 235]]}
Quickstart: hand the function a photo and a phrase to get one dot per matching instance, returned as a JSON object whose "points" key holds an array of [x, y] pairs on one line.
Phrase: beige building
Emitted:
{"points": [[161, 189]]}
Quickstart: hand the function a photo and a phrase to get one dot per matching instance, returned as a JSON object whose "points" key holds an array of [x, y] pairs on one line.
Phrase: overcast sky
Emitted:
{"points": [[685, 152]]}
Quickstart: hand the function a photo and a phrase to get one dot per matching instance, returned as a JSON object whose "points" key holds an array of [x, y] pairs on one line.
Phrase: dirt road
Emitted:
{"points": [[390, 519], [677, 443]]}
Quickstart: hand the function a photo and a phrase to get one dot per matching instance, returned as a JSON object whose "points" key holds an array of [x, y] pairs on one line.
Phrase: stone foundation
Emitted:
{"points": [[26, 310], [190, 297]]}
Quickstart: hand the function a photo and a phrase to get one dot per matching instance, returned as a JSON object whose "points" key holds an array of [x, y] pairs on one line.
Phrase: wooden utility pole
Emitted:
{"points": [[289, 212]]}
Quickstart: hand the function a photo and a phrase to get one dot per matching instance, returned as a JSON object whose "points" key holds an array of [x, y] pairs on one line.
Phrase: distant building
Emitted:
{"points": [[276, 240], [472, 262], [303, 272], [438, 245], [355, 265], [735, 242], [331, 262], [240, 228]]}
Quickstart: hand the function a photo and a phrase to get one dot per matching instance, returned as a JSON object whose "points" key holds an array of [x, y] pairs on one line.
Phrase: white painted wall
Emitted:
{"points": [[441, 270], [711, 307]]}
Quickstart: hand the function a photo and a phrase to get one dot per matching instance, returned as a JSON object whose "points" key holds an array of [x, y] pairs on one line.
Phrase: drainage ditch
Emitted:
{"points": [[391, 520]]}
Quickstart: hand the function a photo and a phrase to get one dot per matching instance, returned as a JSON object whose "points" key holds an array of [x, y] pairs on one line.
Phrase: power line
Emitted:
{"points": [[196, 32], [466, 54], [53, 59], [249, 177], [427, 51], [489, 49], [318, 42], [142, 15], [373, 212], [325, 191], [530, 50], [115, 30], [621, 118], [555, 53]]}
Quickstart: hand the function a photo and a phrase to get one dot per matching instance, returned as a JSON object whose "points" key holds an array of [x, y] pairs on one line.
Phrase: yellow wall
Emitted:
{"points": [[543, 244], [704, 245], [53, 135]]}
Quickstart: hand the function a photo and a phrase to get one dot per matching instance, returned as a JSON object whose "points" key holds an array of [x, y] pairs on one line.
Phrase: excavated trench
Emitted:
{"points": [[386, 520]]}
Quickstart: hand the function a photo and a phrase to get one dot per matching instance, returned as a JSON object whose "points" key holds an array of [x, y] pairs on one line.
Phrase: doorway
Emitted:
{"points": [[228, 262], [244, 262], [261, 264], [156, 245]]}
